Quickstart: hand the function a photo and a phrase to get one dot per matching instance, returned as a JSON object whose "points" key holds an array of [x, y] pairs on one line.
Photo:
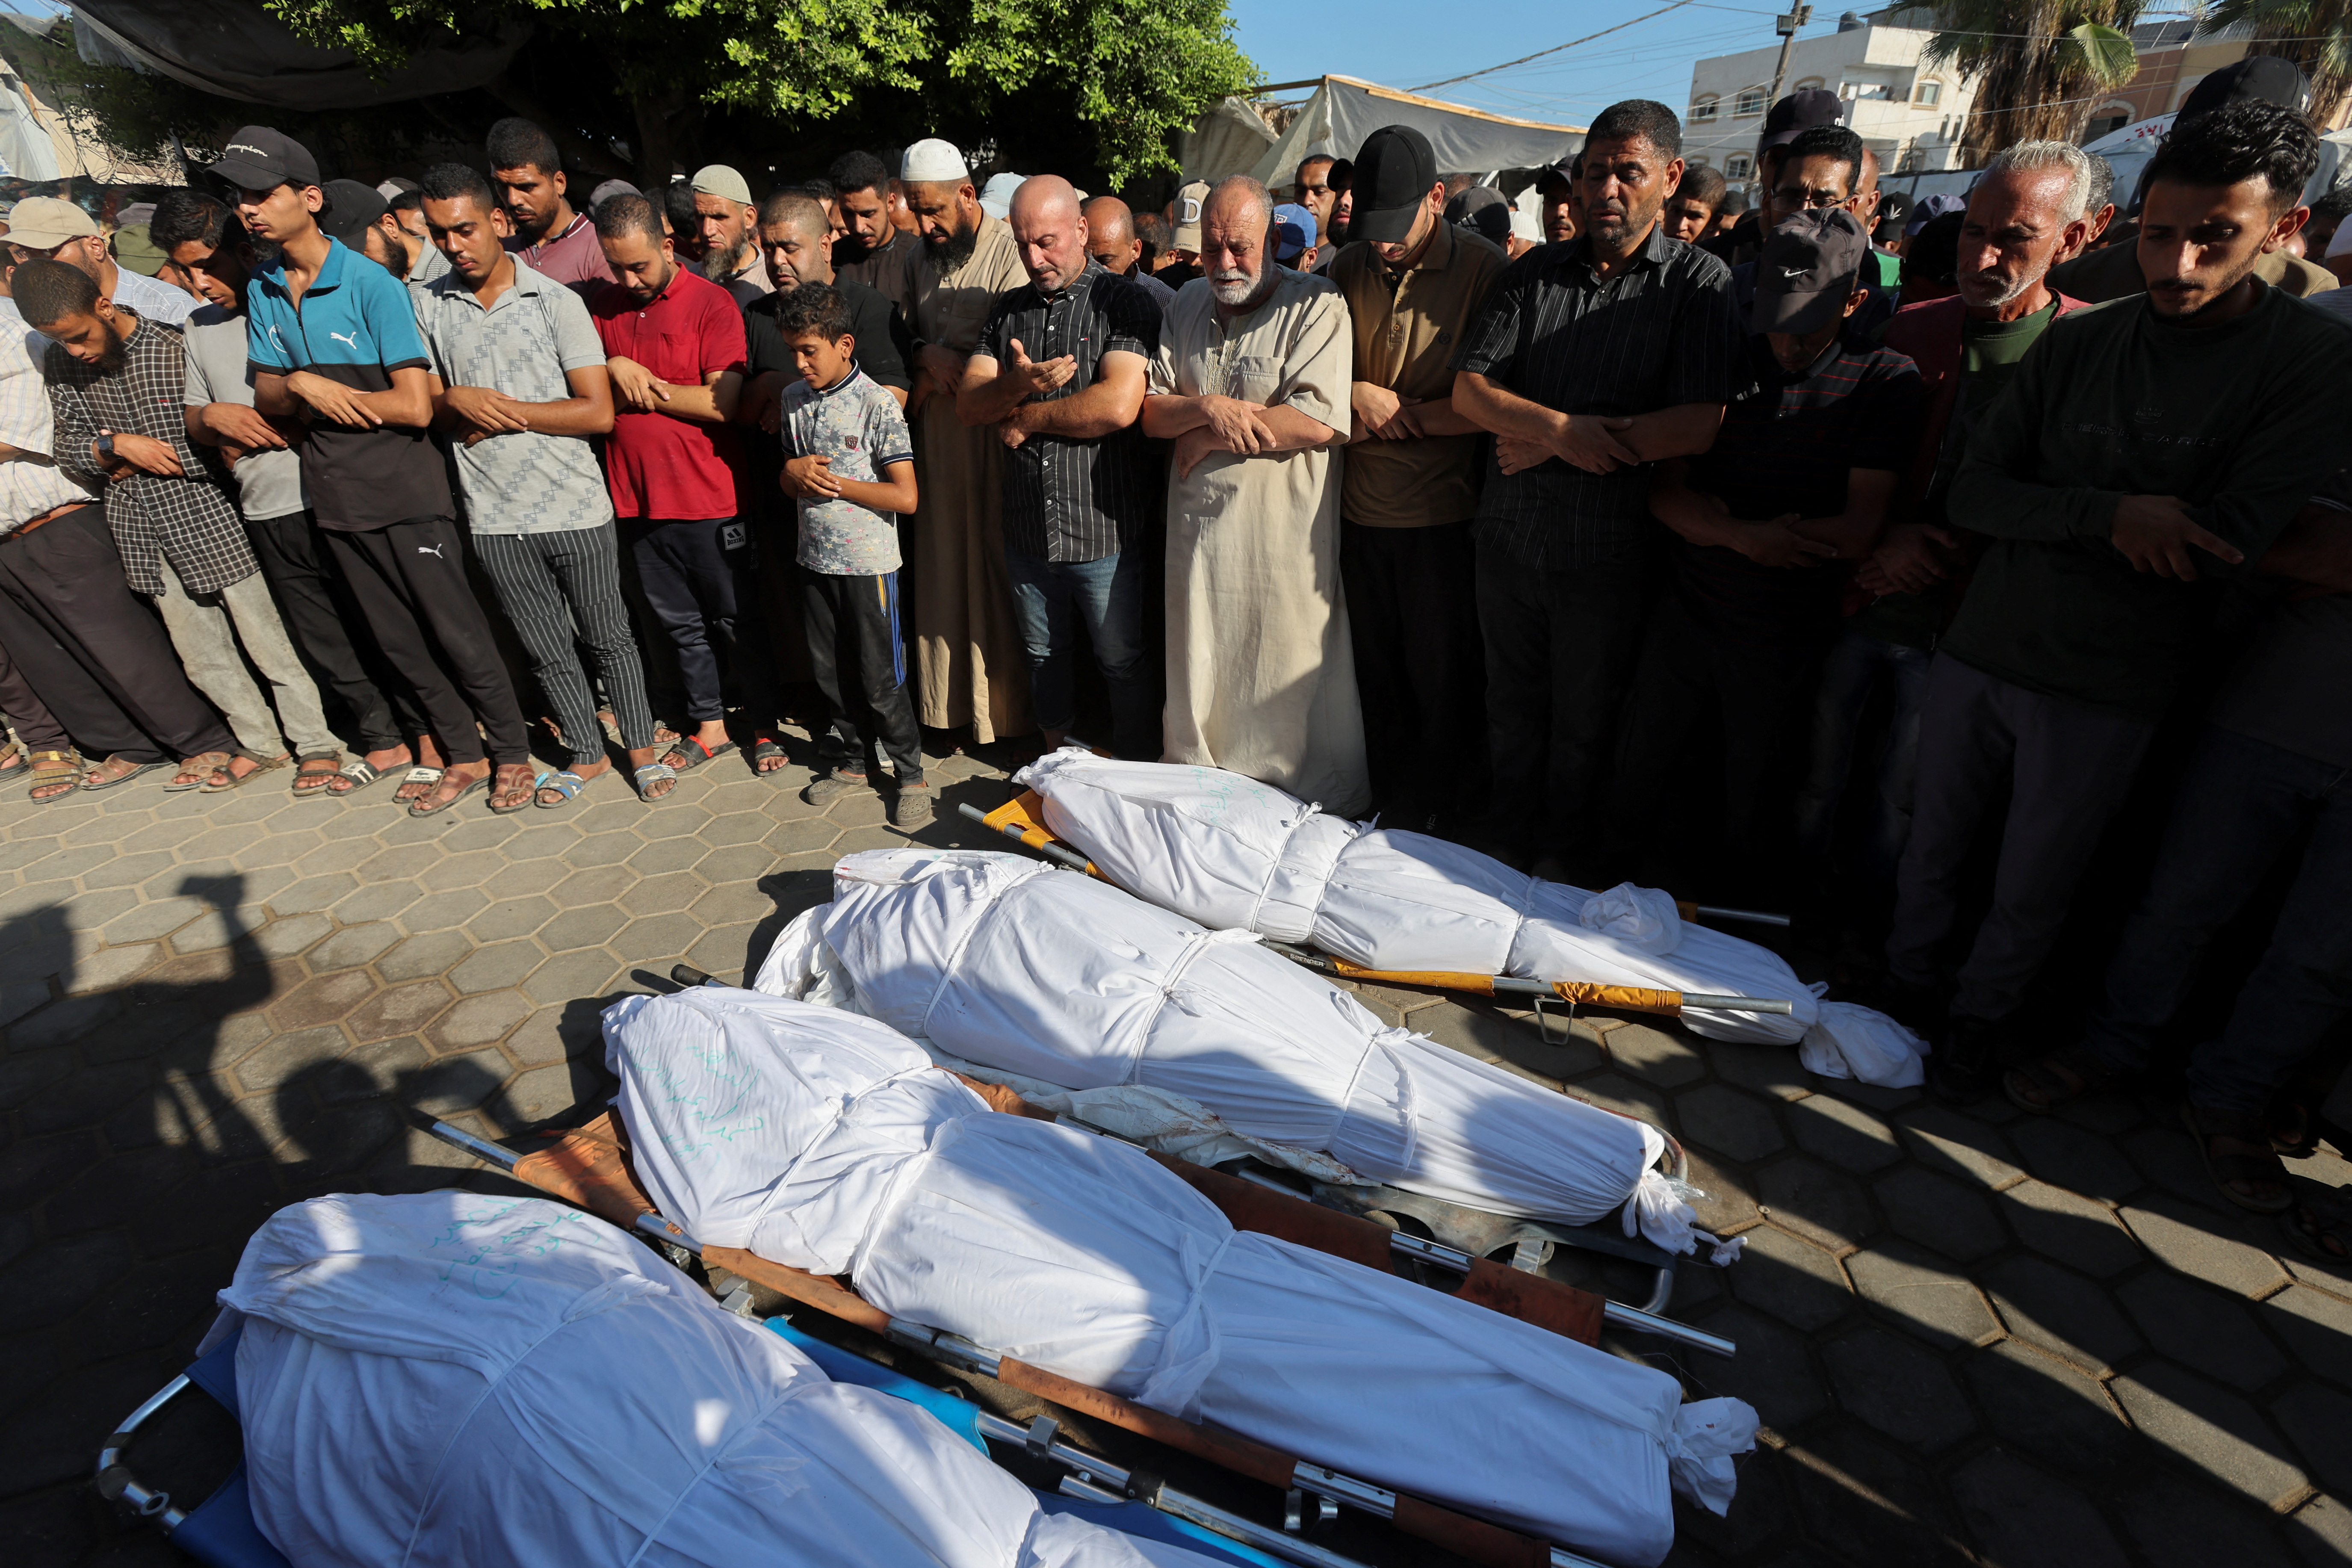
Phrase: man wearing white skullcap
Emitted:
{"points": [[971, 667]]}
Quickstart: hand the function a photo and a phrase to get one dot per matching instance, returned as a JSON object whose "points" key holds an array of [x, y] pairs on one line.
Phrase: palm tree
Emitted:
{"points": [[2314, 34], [2039, 66]]}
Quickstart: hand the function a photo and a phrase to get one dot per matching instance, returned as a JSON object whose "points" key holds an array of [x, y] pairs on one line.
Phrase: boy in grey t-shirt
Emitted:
{"points": [[851, 465]]}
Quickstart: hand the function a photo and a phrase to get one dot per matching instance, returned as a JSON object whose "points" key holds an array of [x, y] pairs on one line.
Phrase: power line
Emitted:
{"points": [[1556, 48]]}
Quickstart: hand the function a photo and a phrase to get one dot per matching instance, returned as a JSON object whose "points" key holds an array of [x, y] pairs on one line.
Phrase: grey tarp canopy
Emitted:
{"points": [[237, 50], [1344, 112]]}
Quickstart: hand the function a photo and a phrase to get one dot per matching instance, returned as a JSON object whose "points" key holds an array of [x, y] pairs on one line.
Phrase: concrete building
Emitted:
{"points": [[1909, 113]]}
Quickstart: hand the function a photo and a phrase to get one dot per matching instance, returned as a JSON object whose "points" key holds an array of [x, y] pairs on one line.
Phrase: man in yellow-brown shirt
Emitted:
{"points": [[1413, 284]]}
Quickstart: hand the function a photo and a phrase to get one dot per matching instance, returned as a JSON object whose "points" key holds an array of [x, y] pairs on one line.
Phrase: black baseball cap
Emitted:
{"points": [[259, 158], [1483, 208], [1395, 169], [1799, 113], [1811, 263], [2267, 79], [351, 208]]}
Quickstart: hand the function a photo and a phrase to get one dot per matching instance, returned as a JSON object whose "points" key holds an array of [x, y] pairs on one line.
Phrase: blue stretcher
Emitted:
{"points": [[220, 1531]]}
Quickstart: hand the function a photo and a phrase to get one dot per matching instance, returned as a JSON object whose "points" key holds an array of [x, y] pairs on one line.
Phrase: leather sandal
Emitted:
{"points": [[2234, 1150], [197, 772], [50, 770]]}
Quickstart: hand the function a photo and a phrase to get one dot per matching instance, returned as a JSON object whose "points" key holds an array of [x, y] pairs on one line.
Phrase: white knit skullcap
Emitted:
{"points": [[932, 160]]}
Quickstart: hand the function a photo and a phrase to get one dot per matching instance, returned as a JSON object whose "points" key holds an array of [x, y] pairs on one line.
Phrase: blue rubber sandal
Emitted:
{"points": [[569, 792], [650, 774]]}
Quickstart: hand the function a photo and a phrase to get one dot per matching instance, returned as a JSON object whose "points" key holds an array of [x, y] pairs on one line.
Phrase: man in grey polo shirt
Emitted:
{"points": [[518, 386]]}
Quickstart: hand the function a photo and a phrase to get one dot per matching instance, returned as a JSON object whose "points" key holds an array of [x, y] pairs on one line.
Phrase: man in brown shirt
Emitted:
{"points": [[1410, 485]]}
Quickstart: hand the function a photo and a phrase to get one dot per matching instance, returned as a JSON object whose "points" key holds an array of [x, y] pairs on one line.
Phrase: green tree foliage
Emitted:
{"points": [[2317, 35], [2037, 66], [1130, 72]]}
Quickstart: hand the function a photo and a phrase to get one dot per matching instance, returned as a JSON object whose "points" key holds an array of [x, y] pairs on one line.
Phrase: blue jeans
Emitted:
{"points": [[1049, 598], [1854, 666], [2242, 803]]}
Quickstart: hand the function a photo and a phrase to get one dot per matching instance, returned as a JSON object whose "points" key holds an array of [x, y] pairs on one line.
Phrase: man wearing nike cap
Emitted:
{"points": [[1410, 485], [1766, 526]]}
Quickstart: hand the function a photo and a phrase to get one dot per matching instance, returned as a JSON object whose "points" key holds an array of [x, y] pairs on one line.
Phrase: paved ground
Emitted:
{"points": [[1972, 1337]]}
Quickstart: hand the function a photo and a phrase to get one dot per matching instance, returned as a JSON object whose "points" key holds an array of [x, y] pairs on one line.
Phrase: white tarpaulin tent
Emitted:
{"points": [[1345, 111], [829, 1142], [1229, 138]]}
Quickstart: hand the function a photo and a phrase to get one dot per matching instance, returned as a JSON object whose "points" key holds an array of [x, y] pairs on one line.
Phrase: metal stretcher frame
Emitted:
{"points": [[221, 1533], [588, 1166]]}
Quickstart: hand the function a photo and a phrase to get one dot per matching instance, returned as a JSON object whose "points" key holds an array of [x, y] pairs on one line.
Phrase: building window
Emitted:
{"points": [[1927, 94], [2106, 119], [1810, 84], [1704, 110], [1751, 101], [1696, 159], [1736, 166]]}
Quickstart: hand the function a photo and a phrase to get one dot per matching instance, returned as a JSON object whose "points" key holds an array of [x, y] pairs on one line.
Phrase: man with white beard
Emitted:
{"points": [[1251, 384]]}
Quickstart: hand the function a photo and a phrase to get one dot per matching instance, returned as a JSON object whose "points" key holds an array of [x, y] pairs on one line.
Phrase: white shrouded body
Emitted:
{"points": [[1233, 853], [450, 1379], [1082, 1256]]}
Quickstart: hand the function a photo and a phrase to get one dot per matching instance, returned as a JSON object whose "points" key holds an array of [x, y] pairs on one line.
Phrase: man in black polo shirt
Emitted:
{"points": [[1767, 526], [1593, 358], [1060, 372], [2141, 456]]}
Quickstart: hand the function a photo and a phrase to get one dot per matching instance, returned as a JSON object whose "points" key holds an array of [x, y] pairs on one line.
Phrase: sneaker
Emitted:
{"points": [[911, 808], [1966, 1066], [826, 788]]}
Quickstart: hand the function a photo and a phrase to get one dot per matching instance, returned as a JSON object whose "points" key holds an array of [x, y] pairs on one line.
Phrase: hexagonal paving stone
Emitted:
{"points": [[478, 1020], [2078, 1161], [1612, 1091], [2211, 1430], [736, 828], [2317, 1417], [455, 1084], [536, 1095], [1943, 1139], [1773, 1371], [596, 885], [657, 938], [284, 1056], [1824, 1206], [679, 854], [2061, 1311], [496, 967], [352, 946], [1490, 1035], [806, 834], [602, 849], [312, 894], [590, 926], [2200, 1327], [1897, 1387], [511, 918], [2197, 1244], [146, 923], [568, 976], [1723, 1120], [1794, 1280], [2078, 1230], [2048, 1408], [1655, 1054], [2196, 1527], [406, 862], [286, 937], [443, 911], [1726, 1200], [2021, 1517], [432, 953], [672, 818], [1908, 1285], [322, 1000], [1953, 1218], [1872, 1498], [731, 902], [2317, 1327], [1846, 1135], [665, 894], [402, 1010], [1770, 1071]]}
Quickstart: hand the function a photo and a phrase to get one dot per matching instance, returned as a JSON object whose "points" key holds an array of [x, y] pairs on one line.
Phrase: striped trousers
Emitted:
{"points": [[563, 592]]}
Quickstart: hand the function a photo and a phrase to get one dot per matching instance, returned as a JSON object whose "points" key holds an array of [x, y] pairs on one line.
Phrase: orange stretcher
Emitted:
{"points": [[1021, 819], [589, 1167]]}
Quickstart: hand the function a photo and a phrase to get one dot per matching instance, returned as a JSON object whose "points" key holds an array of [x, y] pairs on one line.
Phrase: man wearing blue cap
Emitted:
{"points": [[1294, 237]]}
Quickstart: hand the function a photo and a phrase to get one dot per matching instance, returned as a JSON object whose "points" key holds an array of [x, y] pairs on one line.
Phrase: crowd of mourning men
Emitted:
{"points": [[1794, 554]]}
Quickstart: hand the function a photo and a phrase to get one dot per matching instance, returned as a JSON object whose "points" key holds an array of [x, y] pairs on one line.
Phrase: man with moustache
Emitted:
{"points": [[971, 668], [723, 216], [553, 238], [874, 252], [1251, 385], [2022, 216], [2141, 456], [1590, 361]]}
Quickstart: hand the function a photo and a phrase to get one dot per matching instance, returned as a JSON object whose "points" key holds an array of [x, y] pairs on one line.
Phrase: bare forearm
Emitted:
{"points": [[1296, 432], [898, 497], [1167, 415], [1682, 431], [1851, 535], [398, 405], [272, 396], [1444, 419], [988, 402], [1101, 410], [2317, 548], [695, 404], [570, 416], [1502, 412]]}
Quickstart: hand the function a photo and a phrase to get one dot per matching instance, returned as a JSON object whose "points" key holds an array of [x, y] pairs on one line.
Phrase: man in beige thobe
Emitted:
{"points": [[1251, 383], [971, 669]]}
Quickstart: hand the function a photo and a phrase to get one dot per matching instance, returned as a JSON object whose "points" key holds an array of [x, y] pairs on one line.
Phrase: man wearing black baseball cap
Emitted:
{"points": [[1410, 486], [1767, 525]]}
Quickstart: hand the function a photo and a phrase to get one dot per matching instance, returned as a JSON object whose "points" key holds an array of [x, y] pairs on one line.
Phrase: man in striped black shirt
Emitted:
{"points": [[1594, 358], [1059, 372]]}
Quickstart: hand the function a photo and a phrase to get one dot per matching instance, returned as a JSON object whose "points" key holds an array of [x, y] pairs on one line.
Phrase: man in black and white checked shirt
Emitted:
{"points": [[1059, 371], [1592, 358], [117, 384]]}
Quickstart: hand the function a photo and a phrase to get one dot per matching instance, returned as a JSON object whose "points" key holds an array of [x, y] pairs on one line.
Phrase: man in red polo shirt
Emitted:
{"points": [[674, 465]]}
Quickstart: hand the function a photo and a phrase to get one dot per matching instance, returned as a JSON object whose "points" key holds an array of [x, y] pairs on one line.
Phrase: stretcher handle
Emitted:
{"points": [[506, 1159], [1630, 999], [1033, 836], [1690, 911]]}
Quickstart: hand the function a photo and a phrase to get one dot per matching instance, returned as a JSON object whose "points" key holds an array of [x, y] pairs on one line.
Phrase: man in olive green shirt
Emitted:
{"points": [[1408, 486]]}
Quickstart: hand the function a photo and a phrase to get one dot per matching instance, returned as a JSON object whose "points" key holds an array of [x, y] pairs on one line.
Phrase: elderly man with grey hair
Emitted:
{"points": [[1251, 384], [2025, 212]]}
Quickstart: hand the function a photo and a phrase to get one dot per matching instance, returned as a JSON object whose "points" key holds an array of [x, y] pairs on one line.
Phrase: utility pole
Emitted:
{"points": [[1786, 24]]}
